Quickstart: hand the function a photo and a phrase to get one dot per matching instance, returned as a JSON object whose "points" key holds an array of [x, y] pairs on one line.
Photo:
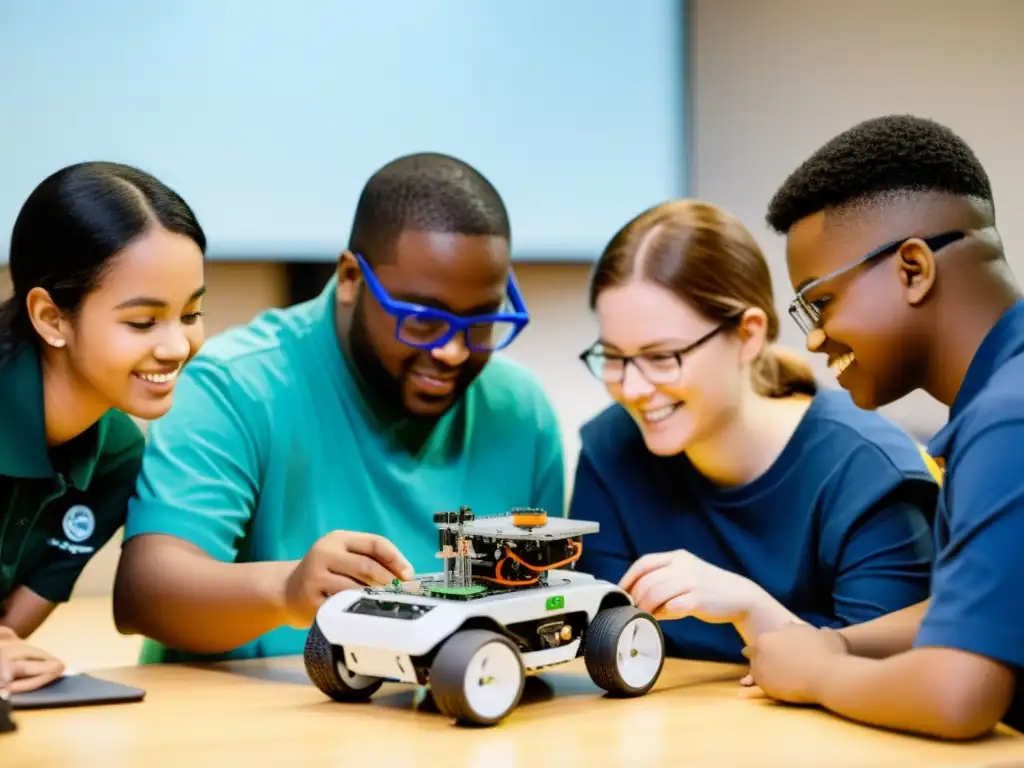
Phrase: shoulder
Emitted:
{"points": [[999, 403], [507, 391], [246, 364], [989, 432], [848, 435], [262, 342]]}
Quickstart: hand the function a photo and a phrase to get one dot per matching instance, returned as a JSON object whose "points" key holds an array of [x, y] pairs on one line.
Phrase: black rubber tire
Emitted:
{"points": [[324, 665], [448, 676], [601, 650]]}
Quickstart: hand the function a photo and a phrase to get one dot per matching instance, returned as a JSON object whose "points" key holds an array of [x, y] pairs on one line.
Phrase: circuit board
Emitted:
{"points": [[495, 555], [434, 586]]}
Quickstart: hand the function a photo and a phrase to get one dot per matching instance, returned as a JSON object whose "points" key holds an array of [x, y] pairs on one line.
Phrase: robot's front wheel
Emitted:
{"points": [[325, 665], [624, 651], [477, 677]]}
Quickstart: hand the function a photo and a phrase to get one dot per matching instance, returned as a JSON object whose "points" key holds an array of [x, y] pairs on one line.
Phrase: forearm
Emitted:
{"points": [[188, 601], [25, 611], [887, 635], [764, 614], [902, 693]]}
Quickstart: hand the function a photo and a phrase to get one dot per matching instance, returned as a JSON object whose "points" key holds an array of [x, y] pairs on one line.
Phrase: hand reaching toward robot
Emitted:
{"points": [[678, 584], [24, 667], [338, 561]]}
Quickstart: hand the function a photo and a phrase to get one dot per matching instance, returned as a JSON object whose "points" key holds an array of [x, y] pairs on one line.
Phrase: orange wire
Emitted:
{"points": [[509, 554], [499, 579], [538, 568]]}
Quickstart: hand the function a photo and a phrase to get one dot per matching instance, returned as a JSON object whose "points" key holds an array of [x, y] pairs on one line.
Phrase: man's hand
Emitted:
{"points": [[26, 667], [677, 584], [338, 561], [789, 664]]}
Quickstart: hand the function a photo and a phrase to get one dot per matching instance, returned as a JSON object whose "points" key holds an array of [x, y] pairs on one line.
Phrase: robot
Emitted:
{"points": [[505, 604]]}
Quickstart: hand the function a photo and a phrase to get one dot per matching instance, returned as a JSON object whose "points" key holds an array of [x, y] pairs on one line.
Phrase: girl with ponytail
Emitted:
{"points": [[107, 269], [731, 488]]}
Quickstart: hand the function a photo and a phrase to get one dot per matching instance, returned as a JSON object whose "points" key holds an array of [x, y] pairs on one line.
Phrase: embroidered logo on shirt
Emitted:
{"points": [[79, 523]]}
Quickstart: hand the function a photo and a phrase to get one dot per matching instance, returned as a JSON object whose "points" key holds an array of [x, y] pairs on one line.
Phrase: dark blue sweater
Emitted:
{"points": [[838, 529]]}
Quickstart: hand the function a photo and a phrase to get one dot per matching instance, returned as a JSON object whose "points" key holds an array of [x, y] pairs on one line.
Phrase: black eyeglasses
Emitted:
{"points": [[661, 367], [807, 314]]}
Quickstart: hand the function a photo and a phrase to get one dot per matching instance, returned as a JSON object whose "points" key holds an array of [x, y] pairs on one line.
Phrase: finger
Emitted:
{"points": [[34, 667], [384, 552], [332, 584], [29, 675], [22, 651], [361, 568], [643, 566], [34, 682], [6, 633], [657, 588], [678, 607], [752, 692], [747, 680]]}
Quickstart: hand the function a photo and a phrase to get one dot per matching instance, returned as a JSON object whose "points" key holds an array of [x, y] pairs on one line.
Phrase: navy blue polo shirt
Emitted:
{"points": [[979, 530], [838, 529]]}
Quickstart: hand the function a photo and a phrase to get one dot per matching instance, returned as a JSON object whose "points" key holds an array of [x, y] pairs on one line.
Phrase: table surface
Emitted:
{"points": [[266, 712]]}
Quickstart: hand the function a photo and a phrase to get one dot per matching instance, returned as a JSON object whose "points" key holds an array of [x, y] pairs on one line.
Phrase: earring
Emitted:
{"points": [[58, 343]]}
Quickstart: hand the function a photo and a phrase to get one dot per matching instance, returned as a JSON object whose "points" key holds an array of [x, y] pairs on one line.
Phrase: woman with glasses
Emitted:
{"points": [[734, 495]]}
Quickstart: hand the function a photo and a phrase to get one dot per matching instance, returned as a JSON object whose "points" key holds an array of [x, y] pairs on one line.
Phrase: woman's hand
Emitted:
{"points": [[26, 666], [678, 584]]}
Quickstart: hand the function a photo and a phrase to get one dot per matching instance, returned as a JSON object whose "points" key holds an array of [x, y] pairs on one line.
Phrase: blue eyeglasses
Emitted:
{"points": [[428, 328]]}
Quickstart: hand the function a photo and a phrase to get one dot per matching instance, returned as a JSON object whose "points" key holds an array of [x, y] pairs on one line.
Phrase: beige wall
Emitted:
{"points": [[771, 80]]}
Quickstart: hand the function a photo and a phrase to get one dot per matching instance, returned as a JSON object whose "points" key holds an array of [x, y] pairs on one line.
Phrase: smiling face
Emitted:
{"points": [[867, 328], [642, 318], [462, 274], [133, 333]]}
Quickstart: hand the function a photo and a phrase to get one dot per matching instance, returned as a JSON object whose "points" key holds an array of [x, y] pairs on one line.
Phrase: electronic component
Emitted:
{"points": [[507, 600]]}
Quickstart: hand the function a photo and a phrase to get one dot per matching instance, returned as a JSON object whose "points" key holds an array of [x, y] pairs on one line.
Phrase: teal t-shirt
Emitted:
{"points": [[272, 443]]}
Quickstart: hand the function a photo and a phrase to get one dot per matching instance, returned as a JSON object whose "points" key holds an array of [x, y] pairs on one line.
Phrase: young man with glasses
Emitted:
{"points": [[731, 491], [309, 450], [932, 306]]}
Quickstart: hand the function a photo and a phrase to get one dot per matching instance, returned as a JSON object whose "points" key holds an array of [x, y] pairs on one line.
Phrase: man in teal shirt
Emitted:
{"points": [[308, 451]]}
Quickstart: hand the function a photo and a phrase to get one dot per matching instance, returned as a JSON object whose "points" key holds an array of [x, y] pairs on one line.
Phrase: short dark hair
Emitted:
{"points": [[73, 223], [429, 192], [880, 157]]}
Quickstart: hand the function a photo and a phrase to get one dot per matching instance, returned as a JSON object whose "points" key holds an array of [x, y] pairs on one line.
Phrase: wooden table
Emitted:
{"points": [[265, 713]]}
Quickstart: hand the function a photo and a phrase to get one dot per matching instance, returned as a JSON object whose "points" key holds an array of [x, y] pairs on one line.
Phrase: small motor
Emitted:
{"points": [[554, 633]]}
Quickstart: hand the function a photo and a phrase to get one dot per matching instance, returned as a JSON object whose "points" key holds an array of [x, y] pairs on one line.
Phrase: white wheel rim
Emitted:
{"points": [[638, 653], [493, 676], [353, 680]]}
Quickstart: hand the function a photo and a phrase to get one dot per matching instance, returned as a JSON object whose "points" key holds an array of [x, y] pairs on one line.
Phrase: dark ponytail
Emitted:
{"points": [[73, 224], [13, 319]]}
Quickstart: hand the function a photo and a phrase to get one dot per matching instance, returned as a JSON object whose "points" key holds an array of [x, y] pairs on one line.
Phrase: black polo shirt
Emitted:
{"points": [[979, 532], [57, 507]]}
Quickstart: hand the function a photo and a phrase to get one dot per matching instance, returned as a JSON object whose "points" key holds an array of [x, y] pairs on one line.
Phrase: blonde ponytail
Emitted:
{"points": [[781, 372]]}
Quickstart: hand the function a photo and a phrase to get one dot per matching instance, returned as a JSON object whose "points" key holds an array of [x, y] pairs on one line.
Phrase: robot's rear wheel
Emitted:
{"points": [[477, 677], [624, 651], [325, 665]]}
